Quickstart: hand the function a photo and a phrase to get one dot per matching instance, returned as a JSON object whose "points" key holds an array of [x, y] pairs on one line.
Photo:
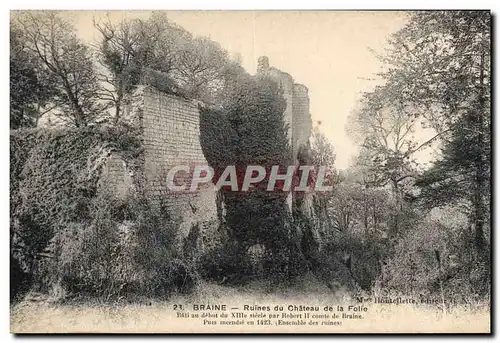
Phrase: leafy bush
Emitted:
{"points": [[54, 186], [95, 256], [229, 264], [19, 280], [124, 248], [165, 270], [433, 255], [54, 177], [361, 253]]}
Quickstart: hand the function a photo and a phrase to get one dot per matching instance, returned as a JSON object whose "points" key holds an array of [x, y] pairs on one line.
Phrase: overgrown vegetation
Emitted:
{"points": [[250, 130], [390, 225], [436, 77]]}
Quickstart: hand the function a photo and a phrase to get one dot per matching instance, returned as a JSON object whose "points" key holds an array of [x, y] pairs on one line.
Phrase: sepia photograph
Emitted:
{"points": [[250, 171]]}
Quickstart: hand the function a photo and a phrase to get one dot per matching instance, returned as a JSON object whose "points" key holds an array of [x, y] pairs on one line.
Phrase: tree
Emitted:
{"points": [[455, 179], [344, 206], [198, 66], [385, 129], [31, 87], [440, 63], [68, 61], [201, 66], [323, 153], [126, 49], [434, 63], [437, 70]]}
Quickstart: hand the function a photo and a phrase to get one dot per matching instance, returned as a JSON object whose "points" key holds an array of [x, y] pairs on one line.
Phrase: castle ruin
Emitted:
{"points": [[170, 126], [297, 114]]}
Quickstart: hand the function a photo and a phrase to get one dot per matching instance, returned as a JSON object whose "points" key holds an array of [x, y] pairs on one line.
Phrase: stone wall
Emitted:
{"points": [[170, 127], [302, 122], [171, 136], [116, 177]]}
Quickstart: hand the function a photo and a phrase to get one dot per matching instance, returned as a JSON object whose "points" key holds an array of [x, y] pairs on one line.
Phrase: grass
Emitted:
{"points": [[38, 315]]}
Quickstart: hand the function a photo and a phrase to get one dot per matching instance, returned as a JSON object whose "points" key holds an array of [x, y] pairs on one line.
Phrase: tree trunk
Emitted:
{"points": [[480, 177], [399, 208], [117, 112], [118, 102], [79, 115]]}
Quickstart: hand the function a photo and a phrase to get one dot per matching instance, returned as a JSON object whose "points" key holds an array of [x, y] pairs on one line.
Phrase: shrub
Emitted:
{"points": [[125, 248], [432, 255], [54, 177], [19, 280], [228, 264], [362, 253], [165, 270], [95, 256]]}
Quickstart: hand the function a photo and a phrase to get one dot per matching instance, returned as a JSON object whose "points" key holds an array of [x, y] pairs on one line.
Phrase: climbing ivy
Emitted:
{"points": [[250, 130], [54, 175]]}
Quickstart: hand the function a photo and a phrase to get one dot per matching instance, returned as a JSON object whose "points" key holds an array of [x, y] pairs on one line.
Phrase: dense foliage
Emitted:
{"points": [[250, 130], [55, 176], [57, 74], [436, 77], [390, 224]]}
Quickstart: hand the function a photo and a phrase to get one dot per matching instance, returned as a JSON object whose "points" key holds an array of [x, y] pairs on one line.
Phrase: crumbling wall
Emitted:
{"points": [[170, 129], [171, 137], [170, 133], [298, 117], [302, 122], [116, 177], [170, 126]]}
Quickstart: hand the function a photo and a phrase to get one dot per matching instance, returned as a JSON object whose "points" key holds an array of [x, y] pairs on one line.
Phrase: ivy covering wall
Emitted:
{"points": [[250, 130], [54, 177]]}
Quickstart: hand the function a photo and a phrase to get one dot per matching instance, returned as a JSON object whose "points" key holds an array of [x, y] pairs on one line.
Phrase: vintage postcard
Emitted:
{"points": [[250, 171]]}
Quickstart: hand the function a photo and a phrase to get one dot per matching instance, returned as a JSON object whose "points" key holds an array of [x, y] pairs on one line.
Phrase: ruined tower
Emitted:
{"points": [[296, 114]]}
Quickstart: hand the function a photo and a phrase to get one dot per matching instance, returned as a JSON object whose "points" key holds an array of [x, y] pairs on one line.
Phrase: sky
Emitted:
{"points": [[328, 51]]}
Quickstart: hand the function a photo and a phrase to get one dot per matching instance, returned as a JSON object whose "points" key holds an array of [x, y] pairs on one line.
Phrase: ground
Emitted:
{"points": [[37, 314]]}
